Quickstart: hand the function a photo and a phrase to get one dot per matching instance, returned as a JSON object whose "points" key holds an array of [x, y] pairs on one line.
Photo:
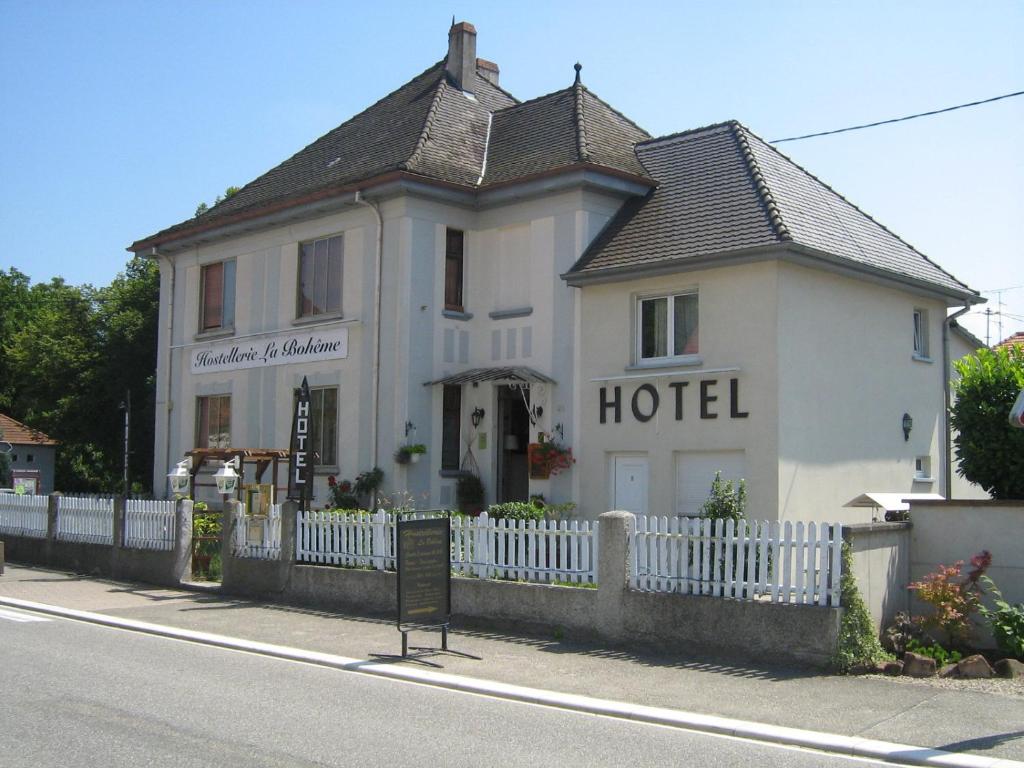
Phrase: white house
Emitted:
{"points": [[455, 268]]}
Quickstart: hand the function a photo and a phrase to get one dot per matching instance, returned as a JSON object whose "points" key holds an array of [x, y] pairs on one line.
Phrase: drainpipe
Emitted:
{"points": [[946, 400], [169, 330], [375, 426]]}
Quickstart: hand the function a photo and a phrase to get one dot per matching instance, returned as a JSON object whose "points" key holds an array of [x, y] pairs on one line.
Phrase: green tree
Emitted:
{"points": [[990, 451], [203, 207]]}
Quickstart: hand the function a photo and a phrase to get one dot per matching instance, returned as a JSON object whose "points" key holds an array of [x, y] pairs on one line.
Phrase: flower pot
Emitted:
{"points": [[415, 457]]}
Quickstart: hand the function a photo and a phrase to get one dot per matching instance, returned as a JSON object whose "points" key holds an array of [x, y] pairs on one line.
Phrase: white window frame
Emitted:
{"points": [[327, 312], [923, 469], [921, 334], [639, 300]]}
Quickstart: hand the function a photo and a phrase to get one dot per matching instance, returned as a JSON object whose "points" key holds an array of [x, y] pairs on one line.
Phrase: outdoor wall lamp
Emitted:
{"points": [[477, 416], [908, 424], [227, 477], [180, 476]]}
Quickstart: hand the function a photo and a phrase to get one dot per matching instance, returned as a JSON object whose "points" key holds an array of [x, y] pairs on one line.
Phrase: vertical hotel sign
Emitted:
{"points": [[300, 462]]}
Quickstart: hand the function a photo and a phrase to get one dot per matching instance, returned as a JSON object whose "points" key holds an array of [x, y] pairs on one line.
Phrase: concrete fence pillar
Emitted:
{"points": [[118, 526], [181, 568], [289, 513], [614, 567]]}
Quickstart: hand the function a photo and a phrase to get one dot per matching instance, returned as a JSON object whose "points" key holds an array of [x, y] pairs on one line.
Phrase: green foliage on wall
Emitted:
{"points": [[858, 644], [989, 449]]}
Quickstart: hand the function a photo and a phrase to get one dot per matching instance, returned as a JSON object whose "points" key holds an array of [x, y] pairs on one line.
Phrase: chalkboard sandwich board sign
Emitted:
{"points": [[424, 573]]}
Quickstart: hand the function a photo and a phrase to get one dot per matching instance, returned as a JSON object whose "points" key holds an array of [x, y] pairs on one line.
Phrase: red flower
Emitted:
{"points": [[331, 481], [345, 486]]}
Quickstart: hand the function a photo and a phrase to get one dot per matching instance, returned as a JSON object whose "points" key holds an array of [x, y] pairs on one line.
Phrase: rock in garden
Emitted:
{"points": [[894, 668], [949, 670], [974, 667], [916, 665], [1010, 668]]}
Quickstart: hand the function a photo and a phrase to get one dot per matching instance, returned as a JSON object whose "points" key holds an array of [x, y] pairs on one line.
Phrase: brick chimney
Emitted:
{"points": [[487, 70], [461, 61]]}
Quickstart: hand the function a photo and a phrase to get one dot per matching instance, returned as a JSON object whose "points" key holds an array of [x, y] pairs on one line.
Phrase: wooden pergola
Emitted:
{"points": [[261, 459]]}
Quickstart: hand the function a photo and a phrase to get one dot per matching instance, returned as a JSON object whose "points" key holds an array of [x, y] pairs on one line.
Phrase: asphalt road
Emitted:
{"points": [[74, 694]]}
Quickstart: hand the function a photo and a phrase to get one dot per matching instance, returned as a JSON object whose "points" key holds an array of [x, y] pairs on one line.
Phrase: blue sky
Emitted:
{"points": [[118, 118]]}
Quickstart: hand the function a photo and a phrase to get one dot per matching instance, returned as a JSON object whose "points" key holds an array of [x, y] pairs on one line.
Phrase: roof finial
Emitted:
{"points": [[578, 67], [453, 20]]}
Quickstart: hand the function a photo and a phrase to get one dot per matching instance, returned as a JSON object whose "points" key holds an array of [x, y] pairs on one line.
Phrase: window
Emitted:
{"points": [[213, 422], [323, 405], [218, 291], [920, 333], [453, 270], [320, 269], [667, 327], [451, 427], [923, 468]]}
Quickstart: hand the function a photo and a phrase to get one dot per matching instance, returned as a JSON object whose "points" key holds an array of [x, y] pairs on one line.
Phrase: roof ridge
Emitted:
{"points": [[687, 132], [853, 205], [207, 214], [534, 100], [581, 130], [760, 184], [617, 112], [428, 124]]}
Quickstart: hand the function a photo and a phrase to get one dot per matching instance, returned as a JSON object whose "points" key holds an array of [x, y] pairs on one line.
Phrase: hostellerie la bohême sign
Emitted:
{"points": [[279, 349]]}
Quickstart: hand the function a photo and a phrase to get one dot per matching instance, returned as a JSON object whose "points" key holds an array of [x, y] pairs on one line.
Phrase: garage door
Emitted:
{"points": [[695, 471]]}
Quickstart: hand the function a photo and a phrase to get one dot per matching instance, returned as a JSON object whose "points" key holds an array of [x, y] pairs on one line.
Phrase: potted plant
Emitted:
{"points": [[409, 453], [547, 458], [469, 493]]}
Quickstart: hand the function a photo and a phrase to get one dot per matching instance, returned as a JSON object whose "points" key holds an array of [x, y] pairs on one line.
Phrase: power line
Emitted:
{"points": [[900, 119]]}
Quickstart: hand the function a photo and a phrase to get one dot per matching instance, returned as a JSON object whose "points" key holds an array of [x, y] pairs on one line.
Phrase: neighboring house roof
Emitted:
{"points": [[972, 341], [1011, 341], [430, 129], [721, 189], [16, 433]]}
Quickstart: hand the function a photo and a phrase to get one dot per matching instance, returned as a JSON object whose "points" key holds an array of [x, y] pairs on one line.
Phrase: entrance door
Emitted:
{"points": [[630, 478], [513, 438]]}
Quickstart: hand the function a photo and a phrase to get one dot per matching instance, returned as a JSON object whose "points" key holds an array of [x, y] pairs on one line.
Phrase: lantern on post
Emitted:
{"points": [[180, 476], [227, 477]]}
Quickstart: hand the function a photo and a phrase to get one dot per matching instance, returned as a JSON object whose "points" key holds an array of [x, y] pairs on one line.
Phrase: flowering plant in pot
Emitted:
{"points": [[547, 458], [409, 453]]}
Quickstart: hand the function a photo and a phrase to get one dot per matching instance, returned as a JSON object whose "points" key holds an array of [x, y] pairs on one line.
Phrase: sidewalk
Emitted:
{"points": [[958, 716]]}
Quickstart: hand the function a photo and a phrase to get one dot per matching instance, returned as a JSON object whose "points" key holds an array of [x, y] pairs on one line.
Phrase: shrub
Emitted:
{"points": [[1006, 622], [935, 651], [990, 451], [516, 510], [725, 502], [953, 600], [903, 631]]}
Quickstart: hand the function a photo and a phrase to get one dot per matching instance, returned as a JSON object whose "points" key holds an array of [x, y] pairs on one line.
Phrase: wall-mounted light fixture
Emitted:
{"points": [[477, 416], [409, 427], [180, 476], [908, 424]]}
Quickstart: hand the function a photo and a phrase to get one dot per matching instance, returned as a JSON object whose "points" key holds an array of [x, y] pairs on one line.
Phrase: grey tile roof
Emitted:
{"points": [[722, 189], [562, 128], [430, 128]]}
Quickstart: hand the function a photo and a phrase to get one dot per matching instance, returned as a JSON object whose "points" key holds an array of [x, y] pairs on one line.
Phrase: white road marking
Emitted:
{"points": [[21, 618]]}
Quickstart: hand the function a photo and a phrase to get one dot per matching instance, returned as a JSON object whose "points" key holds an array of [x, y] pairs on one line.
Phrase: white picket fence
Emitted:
{"points": [[23, 515], [149, 524], [89, 520], [543, 551], [758, 560], [258, 538]]}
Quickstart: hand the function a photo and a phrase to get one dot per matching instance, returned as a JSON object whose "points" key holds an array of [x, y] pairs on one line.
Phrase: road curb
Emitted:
{"points": [[903, 754]]}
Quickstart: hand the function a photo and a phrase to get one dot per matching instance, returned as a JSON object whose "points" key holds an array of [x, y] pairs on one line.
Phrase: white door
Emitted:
{"points": [[695, 471], [630, 479]]}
